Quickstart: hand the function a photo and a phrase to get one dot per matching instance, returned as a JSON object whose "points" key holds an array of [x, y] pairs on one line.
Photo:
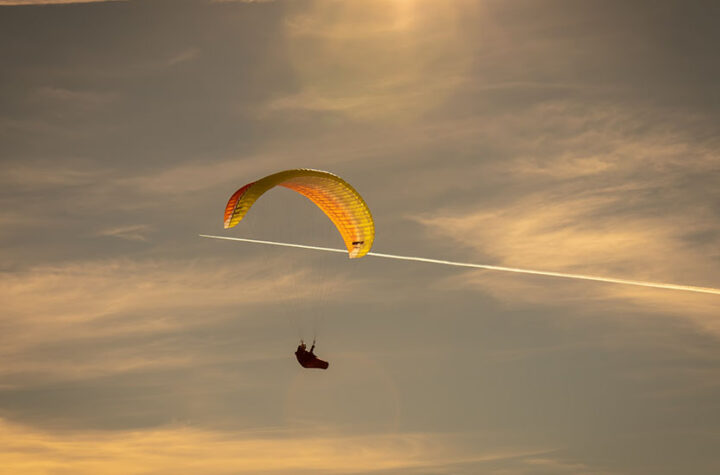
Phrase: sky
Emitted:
{"points": [[560, 135]]}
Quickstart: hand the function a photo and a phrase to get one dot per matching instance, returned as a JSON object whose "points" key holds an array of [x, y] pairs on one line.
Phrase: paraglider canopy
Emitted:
{"points": [[333, 195]]}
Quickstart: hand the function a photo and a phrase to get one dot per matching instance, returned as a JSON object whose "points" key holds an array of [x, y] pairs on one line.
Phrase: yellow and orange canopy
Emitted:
{"points": [[333, 195]]}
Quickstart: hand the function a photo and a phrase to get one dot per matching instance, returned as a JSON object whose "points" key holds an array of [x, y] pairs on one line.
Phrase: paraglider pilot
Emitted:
{"points": [[307, 359]]}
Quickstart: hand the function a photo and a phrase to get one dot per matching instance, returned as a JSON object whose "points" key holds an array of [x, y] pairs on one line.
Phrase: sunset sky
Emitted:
{"points": [[578, 136]]}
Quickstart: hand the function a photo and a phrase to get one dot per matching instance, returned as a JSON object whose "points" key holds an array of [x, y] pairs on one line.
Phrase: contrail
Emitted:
{"points": [[657, 285]]}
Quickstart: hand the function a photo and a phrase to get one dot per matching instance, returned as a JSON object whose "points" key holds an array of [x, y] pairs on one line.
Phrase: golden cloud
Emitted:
{"points": [[111, 298], [378, 60], [174, 450]]}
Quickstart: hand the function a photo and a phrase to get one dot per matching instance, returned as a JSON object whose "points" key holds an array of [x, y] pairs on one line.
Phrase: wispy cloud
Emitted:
{"points": [[190, 177], [181, 448], [77, 98], [241, 1], [369, 66], [596, 201], [584, 234], [184, 56], [52, 2], [55, 305], [135, 232], [46, 175]]}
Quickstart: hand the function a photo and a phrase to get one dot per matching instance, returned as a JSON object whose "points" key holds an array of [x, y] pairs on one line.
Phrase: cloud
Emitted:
{"points": [[590, 198], [47, 176], [378, 60], [594, 232], [184, 56], [184, 449], [135, 232], [82, 291], [62, 306], [52, 2], [64, 97], [241, 1], [190, 177]]}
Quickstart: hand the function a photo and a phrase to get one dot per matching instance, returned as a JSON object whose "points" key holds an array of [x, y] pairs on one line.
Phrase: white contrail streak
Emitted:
{"points": [[657, 285]]}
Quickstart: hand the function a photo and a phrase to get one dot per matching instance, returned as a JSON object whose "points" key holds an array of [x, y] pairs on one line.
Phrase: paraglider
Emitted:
{"points": [[307, 359], [335, 197]]}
